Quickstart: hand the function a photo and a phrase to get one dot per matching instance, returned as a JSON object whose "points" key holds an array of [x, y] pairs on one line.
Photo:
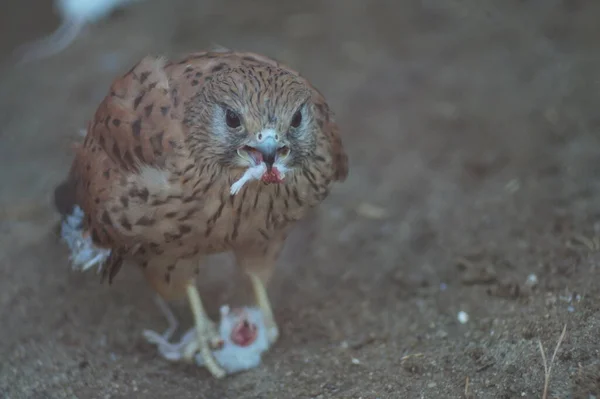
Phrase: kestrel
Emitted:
{"points": [[221, 151]]}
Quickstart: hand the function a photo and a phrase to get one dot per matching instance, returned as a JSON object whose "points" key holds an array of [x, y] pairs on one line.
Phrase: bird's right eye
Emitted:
{"points": [[232, 119]]}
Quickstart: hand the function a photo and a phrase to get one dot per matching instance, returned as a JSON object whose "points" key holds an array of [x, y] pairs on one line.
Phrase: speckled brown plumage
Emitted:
{"points": [[154, 171]]}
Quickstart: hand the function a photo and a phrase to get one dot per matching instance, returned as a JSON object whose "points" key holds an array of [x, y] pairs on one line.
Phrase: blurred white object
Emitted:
{"points": [[234, 355], [463, 317], [84, 254], [75, 15], [532, 280]]}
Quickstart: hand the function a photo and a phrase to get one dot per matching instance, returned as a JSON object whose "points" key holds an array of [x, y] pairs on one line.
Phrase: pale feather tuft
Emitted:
{"points": [[84, 254]]}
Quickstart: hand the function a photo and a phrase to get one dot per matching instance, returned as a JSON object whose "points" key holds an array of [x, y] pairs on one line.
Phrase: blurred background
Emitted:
{"points": [[472, 130]]}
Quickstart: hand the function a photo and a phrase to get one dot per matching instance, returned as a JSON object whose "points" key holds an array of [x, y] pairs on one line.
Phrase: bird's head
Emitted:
{"points": [[246, 115]]}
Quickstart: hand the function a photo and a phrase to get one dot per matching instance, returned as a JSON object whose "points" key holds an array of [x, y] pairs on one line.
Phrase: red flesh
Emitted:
{"points": [[244, 333], [272, 177]]}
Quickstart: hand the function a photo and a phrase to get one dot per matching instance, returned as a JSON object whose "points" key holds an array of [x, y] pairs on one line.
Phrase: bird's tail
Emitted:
{"points": [[65, 194], [64, 197]]}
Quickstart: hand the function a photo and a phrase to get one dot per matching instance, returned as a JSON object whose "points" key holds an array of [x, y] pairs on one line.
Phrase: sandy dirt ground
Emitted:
{"points": [[473, 133]]}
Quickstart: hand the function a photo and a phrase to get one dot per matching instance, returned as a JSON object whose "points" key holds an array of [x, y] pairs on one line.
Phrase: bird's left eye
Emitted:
{"points": [[296, 119], [232, 119]]}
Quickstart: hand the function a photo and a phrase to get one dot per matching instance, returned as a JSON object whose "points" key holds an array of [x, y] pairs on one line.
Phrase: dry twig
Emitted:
{"points": [[548, 367], [467, 396]]}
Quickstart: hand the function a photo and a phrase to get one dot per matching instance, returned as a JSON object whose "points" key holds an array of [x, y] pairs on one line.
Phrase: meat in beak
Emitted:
{"points": [[265, 147]]}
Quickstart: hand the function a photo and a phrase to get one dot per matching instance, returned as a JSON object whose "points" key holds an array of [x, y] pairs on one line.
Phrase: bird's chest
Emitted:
{"points": [[252, 216]]}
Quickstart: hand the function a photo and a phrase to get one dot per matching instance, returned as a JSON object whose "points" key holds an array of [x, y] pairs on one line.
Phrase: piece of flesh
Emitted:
{"points": [[260, 172]]}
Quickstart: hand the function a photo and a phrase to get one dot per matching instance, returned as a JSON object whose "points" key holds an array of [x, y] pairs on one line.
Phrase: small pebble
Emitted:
{"points": [[512, 186], [531, 281], [463, 317], [371, 211], [355, 361]]}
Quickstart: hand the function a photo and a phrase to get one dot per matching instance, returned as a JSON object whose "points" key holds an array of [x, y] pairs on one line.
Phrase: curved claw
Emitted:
{"points": [[203, 334]]}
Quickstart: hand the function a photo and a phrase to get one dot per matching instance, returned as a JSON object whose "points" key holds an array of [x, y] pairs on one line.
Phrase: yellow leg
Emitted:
{"points": [[262, 300], [205, 333]]}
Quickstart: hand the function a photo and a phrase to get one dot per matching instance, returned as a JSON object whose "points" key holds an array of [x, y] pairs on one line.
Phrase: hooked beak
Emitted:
{"points": [[266, 147]]}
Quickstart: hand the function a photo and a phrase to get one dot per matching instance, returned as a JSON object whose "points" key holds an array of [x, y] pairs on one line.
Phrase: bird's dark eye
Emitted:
{"points": [[232, 119], [297, 119]]}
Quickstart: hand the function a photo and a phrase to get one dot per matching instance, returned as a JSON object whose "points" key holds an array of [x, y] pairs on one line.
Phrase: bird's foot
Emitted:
{"points": [[262, 300], [187, 344], [206, 335], [204, 338], [166, 349], [210, 335]]}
